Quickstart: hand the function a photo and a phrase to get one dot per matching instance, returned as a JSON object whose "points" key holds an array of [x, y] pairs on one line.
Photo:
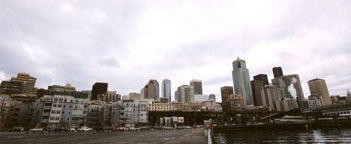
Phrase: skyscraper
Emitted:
{"points": [[277, 72], [256, 86], [212, 97], [183, 94], [226, 91], [259, 81], [319, 87], [289, 86], [151, 90], [197, 85], [241, 80], [262, 77], [270, 96], [27, 82], [166, 89], [98, 88]]}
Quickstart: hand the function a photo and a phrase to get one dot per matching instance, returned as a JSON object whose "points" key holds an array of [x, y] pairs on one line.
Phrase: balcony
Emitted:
{"points": [[45, 114]]}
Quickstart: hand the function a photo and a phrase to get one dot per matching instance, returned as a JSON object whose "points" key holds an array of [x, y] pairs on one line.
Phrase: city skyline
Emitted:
{"points": [[127, 44]]}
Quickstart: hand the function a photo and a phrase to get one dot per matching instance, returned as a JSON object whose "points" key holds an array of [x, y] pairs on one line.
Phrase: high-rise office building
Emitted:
{"points": [[166, 89], [226, 91], [98, 88], [289, 86], [256, 86], [277, 72], [197, 85], [27, 83], [270, 96], [259, 81], [241, 80], [10, 87], [183, 94], [212, 97], [151, 90], [319, 87], [68, 88], [262, 77]]}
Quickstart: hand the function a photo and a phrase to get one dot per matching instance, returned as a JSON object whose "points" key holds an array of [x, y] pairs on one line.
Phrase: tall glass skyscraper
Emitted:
{"points": [[241, 80], [151, 90], [166, 89]]}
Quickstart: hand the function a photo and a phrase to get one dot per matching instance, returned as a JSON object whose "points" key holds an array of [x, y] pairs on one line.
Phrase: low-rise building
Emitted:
{"points": [[134, 113], [23, 113], [314, 101], [234, 102], [161, 107], [59, 111]]}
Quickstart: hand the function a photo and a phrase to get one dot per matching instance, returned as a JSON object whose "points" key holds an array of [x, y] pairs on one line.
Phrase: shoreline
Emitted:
{"points": [[292, 126]]}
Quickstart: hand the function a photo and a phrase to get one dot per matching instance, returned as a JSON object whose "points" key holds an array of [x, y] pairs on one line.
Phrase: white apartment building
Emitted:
{"points": [[63, 111]]}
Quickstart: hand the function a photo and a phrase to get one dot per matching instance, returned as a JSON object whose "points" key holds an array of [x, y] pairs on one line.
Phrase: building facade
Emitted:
{"points": [[134, 113], [270, 96], [212, 97], [98, 88], [109, 97], [166, 89], [319, 87], [197, 85], [151, 90], [27, 83], [59, 111], [241, 80], [226, 91], [277, 72], [183, 94]]}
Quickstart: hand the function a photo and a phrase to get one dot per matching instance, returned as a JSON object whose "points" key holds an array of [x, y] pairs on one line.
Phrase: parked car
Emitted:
{"points": [[72, 130], [18, 129], [144, 128], [134, 129], [156, 128], [118, 128], [36, 130], [167, 128], [199, 126], [187, 127], [85, 129]]}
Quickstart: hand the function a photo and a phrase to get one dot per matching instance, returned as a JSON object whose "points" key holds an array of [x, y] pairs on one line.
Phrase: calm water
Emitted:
{"points": [[308, 136]]}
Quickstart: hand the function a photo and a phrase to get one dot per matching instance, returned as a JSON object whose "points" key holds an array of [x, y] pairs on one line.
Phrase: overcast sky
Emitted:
{"points": [[126, 43]]}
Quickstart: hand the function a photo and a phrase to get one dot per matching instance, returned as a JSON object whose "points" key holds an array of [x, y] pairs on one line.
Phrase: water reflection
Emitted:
{"points": [[295, 136]]}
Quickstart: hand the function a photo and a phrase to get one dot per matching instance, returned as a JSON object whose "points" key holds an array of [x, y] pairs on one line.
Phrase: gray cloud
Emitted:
{"points": [[125, 43]]}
